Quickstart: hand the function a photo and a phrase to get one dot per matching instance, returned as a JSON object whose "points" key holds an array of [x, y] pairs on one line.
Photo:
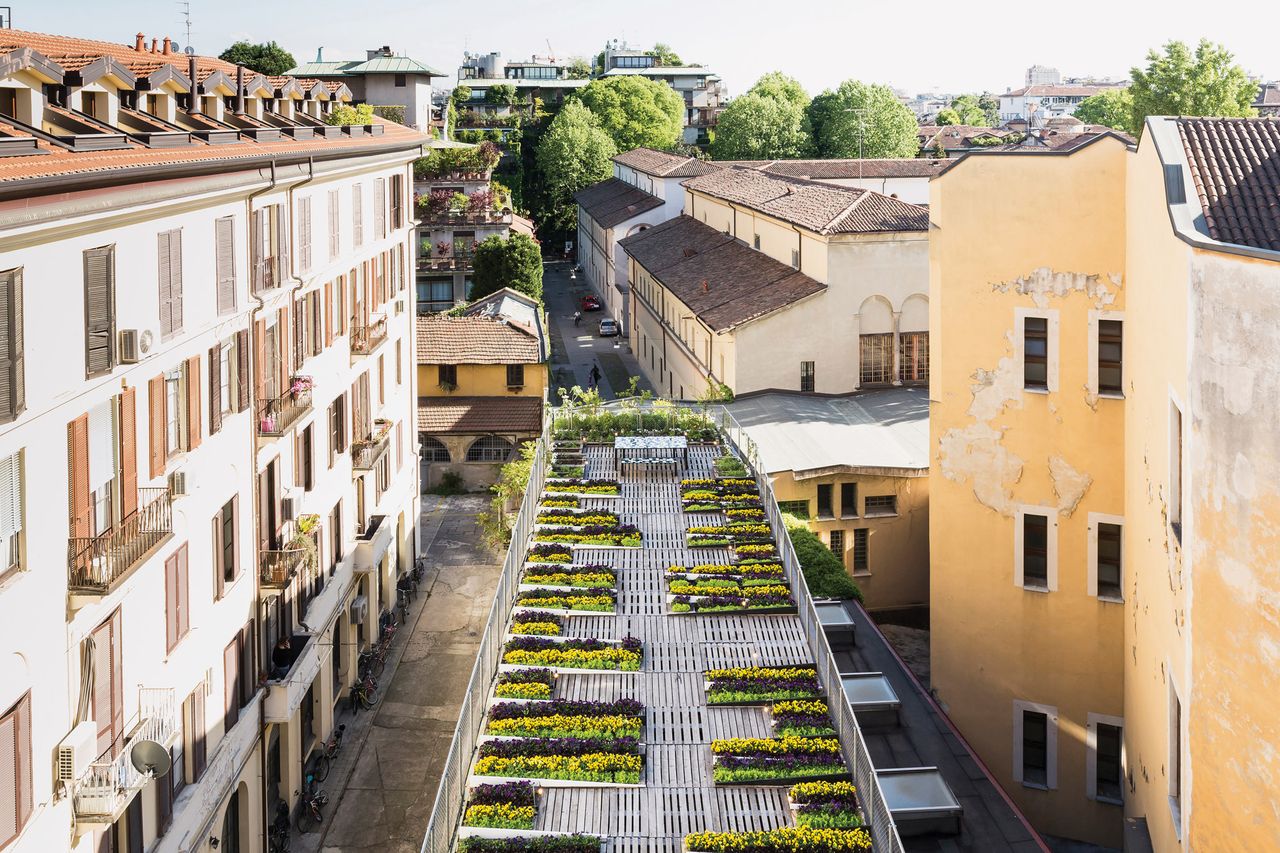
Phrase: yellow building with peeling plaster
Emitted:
{"points": [[1105, 489]]}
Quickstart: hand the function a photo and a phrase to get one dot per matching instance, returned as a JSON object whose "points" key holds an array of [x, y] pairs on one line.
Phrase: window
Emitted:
{"points": [[399, 361], [401, 81], [381, 476], [380, 208], [13, 395], [397, 203], [11, 482], [880, 505], [515, 375], [848, 500], [1109, 553], [269, 250], [755, 242], [913, 358], [100, 310], [175, 407], [861, 561], [800, 509], [1175, 756], [1110, 357], [837, 544], [304, 452], [795, 258], [177, 615], [1035, 550], [489, 448], [825, 508], [335, 233], [1175, 469], [382, 380], [303, 215], [237, 676], [308, 331], [875, 362], [337, 428], [806, 376], [16, 796], [1035, 353], [357, 215], [228, 361], [169, 258], [226, 539], [1105, 759], [335, 534], [433, 450], [447, 375], [1035, 749], [195, 732]]}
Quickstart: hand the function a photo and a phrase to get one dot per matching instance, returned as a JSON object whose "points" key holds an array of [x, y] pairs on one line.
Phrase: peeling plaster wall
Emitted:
{"points": [[997, 447]]}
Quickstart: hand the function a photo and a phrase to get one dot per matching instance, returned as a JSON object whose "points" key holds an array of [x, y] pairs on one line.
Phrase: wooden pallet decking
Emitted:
{"points": [[678, 796]]}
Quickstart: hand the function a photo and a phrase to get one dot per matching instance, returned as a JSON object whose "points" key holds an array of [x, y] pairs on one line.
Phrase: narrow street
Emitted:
{"points": [[383, 784]]}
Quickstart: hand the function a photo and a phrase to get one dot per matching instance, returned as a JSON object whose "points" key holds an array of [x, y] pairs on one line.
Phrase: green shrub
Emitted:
{"points": [[450, 484], [823, 571]]}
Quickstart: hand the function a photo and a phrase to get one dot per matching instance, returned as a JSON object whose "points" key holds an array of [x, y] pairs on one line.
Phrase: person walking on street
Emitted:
{"points": [[577, 317], [595, 376]]}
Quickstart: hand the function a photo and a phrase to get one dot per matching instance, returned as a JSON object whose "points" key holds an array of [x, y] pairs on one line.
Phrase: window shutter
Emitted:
{"points": [[282, 247], [199, 733], [379, 208], [282, 340], [399, 446], [219, 576], [193, 402], [175, 279], [99, 315], [335, 239], [357, 215], [184, 614], [328, 313], [256, 250], [171, 602], [78, 476], [11, 379], [304, 233], [9, 821], [225, 263], [235, 536], [231, 684], [259, 361], [165, 277], [215, 388], [156, 421], [242, 370], [26, 800], [128, 452]]}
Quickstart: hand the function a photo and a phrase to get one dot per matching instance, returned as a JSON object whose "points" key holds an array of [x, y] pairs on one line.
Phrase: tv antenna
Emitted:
{"points": [[186, 20]]}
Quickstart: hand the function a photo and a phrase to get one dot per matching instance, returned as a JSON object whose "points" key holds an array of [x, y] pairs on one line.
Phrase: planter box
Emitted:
{"points": [[535, 587], [569, 670], [547, 783], [485, 832], [529, 608], [788, 781]]}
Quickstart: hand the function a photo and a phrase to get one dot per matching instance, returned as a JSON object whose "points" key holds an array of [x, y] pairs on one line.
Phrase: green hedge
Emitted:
{"points": [[823, 571]]}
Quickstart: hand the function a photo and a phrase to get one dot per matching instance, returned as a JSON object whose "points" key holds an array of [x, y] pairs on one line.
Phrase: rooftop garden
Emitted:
{"points": [[510, 805], [789, 839], [587, 654], [442, 162]]}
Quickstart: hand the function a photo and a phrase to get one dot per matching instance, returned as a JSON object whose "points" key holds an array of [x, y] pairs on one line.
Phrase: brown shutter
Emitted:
{"points": [[156, 420], [171, 633], [215, 388], [231, 684], [193, 402], [225, 263], [99, 310], [256, 250], [282, 236], [26, 799], [282, 341], [12, 391], [9, 813], [399, 446], [219, 570], [235, 537], [184, 593], [199, 733], [128, 452], [102, 671], [242, 370], [81, 505], [328, 313], [259, 361]]}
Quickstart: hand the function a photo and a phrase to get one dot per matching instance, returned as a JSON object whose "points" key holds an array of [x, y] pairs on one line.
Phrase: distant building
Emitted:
{"points": [[1043, 75], [703, 93], [544, 78], [1268, 101], [1048, 100], [380, 79]]}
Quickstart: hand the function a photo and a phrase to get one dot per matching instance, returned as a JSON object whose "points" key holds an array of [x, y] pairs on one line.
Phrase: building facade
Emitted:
{"points": [[381, 79], [204, 422]]}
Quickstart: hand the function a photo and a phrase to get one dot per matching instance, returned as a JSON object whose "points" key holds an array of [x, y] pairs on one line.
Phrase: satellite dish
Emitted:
{"points": [[189, 50], [147, 756], [175, 47]]}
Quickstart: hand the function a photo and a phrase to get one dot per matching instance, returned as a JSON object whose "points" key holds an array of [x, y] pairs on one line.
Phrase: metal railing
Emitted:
{"points": [[277, 414], [365, 338], [447, 812], [108, 784], [95, 564], [450, 217], [453, 264], [366, 452]]}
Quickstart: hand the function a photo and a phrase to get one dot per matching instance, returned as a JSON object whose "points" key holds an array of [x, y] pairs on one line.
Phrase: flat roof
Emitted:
{"points": [[882, 429]]}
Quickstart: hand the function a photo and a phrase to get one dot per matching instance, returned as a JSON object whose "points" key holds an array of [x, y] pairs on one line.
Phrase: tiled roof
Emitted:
{"points": [[660, 164], [723, 281], [479, 415], [613, 202], [819, 207], [819, 170], [51, 45], [1046, 90], [475, 340], [1235, 163], [393, 65], [1268, 95]]}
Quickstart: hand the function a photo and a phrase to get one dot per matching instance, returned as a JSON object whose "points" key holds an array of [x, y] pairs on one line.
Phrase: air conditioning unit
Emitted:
{"points": [[77, 750], [288, 508], [178, 484], [399, 306], [359, 610], [129, 346]]}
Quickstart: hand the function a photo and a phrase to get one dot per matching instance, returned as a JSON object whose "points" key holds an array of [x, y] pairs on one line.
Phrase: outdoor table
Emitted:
{"points": [[651, 447]]}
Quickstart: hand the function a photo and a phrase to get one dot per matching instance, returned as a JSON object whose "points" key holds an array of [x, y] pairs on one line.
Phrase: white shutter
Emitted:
{"points": [[102, 446], [10, 509], [8, 765]]}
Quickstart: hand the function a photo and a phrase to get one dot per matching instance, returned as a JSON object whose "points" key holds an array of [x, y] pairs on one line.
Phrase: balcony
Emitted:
{"points": [[105, 789], [366, 452], [96, 565], [277, 414], [457, 263], [277, 568], [450, 218], [287, 685], [372, 543], [366, 338]]}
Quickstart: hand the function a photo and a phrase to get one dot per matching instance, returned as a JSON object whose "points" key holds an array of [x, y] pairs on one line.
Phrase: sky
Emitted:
{"points": [[932, 47]]}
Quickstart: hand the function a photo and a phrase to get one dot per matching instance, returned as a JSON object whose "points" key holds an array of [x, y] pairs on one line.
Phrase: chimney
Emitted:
{"points": [[153, 46], [195, 89], [166, 50], [239, 90], [140, 42], [320, 54]]}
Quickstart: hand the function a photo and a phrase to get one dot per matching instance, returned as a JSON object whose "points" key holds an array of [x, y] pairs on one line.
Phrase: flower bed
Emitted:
{"points": [[511, 805], [625, 535], [788, 839], [582, 720], [567, 471], [538, 624], [579, 486], [531, 844], [550, 552], [760, 685], [570, 759], [802, 719], [701, 540], [784, 759], [583, 577], [525, 684], [826, 805], [748, 573], [726, 595], [567, 502], [756, 549], [737, 532], [575, 654], [745, 513], [578, 517], [596, 601]]}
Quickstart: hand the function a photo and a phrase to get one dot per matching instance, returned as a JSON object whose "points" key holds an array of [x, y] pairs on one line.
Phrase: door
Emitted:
{"points": [[108, 685]]}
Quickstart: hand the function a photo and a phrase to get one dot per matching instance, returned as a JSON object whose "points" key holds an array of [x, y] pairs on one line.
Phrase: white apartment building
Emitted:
{"points": [[206, 369], [702, 90]]}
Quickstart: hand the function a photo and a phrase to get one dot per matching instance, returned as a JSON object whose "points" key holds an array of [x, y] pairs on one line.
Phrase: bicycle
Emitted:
{"points": [[328, 751], [309, 815], [372, 662], [278, 835], [402, 602], [364, 694]]}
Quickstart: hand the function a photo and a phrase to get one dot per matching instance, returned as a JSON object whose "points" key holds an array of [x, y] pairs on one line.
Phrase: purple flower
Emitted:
{"points": [[524, 747], [516, 793], [519, 710]]}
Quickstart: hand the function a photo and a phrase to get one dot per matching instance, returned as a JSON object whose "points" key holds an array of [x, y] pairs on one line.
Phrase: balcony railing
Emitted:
{"points": [[277, 568], [96, 564], [454, 264], [366, 452], [107, 786], [490, 217], [365, 339], [277, 414]]}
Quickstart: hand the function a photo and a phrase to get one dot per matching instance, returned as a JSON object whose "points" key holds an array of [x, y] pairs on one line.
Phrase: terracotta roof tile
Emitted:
{"points": [[663, 164], [613, 202], [819, 170], [475, 340], [479, 415], [1235, 163], [723, 281]]}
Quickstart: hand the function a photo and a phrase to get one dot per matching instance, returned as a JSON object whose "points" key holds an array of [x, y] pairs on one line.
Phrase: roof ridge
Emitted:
{"points": [[848, 210]]}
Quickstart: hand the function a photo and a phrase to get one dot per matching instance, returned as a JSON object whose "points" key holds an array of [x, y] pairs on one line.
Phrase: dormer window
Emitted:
{"points": [[9, 102]]}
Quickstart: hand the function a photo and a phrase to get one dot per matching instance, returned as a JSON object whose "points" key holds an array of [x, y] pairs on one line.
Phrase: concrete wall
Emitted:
{"points": [[414, 96]]}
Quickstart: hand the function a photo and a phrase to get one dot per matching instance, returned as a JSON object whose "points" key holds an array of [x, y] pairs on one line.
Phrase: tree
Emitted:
{"points": [[664, 55], [461, 94], [885, 127], [578, 69], [964, 110], [758, 127], [345, 114], [268, 58], [515, 262], [990, 106], [636, 112], [1110, 107], [574, 153], [1180, 83], [775, 84], [500, 94]]}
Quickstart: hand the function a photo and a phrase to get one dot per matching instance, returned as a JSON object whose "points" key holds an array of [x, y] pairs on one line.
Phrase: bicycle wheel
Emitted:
{"points": [[279, 842], [320, 769], [308, 819], [376, 665], [368, 698]]}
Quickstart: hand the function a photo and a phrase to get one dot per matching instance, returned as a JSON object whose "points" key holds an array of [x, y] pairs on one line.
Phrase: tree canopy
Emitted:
{"points": [[768, 122], [500, 94], [345, 114], [578, 69], [966, 109], [886, 128], [1110, 107], [664, 55], [1177, 82], [573, 153], [635, 111], [515, 262], [268, 58]]}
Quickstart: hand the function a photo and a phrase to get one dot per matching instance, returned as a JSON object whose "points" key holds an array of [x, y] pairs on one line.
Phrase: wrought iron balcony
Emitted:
{"points": [[105, 789], [277, 414], [97, 564], [458, 263], [366, 452], [277, 568], [365, 339]]}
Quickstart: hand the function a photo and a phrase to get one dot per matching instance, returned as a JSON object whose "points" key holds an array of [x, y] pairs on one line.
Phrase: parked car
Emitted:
{"points": [[608, 328], [591, 303]]}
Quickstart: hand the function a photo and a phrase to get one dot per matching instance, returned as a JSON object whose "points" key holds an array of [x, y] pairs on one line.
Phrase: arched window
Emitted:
{"points": [[433, 450], [489, 448]]}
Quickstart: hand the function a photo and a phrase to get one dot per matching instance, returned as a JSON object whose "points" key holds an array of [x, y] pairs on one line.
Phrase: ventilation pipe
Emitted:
{"points": [[194, 109], [239, 90]]}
